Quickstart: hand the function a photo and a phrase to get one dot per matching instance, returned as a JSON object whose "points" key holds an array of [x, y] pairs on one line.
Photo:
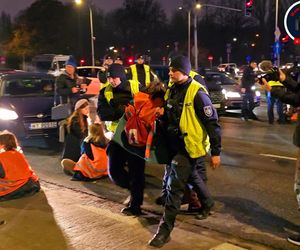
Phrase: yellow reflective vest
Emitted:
{"points": [[135, 74], [275, 84], [108, 93], [195, 136]]}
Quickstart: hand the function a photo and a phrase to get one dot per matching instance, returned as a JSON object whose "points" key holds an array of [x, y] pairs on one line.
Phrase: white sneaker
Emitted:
{"points": [[68, 166], [294, 239]]}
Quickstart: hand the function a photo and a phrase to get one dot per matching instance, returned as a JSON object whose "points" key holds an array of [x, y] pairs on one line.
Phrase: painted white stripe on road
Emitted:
{"points": [[130, 220], [280, 157]]}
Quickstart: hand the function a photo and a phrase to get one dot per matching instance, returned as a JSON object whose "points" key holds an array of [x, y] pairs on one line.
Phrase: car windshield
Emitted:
{"points": [[43, 65], [36, 86], [222, 79], [87, 72]]}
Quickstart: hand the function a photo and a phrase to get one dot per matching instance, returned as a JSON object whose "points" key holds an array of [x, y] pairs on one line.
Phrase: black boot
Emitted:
{"points": [[159, 239], [132, 211], [205, 211]]}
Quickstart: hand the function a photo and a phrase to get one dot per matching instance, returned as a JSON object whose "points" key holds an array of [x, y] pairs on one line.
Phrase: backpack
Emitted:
{"points": [[140, 122], [135, 128]]}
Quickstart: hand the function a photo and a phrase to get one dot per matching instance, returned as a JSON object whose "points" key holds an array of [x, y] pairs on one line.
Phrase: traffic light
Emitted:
{"points": [[130, 60], [248, 7], [285, 39], [82, 61]]}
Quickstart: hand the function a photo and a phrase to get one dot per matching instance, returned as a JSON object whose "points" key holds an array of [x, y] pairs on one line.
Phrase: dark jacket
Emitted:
{"points": [[64, 84], [209, 119], [248, 79], [73, 141], [114, 110], [290, 95]]}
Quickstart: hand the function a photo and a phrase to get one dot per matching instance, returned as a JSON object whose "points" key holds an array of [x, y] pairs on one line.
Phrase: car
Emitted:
{"points": [[229, 67], [230, 88], [26, 99]]}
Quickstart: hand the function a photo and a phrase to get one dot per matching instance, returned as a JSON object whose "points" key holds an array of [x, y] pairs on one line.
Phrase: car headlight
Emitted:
{"points": [[253, 88], [231, 94], [8, 115]]}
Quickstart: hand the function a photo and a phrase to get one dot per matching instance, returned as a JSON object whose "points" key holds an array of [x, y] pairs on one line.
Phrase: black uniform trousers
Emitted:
{"points": [[183, 170], [127, 171]]}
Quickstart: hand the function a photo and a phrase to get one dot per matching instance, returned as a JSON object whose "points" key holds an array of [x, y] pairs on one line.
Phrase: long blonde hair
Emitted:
{"points": [[96, 134]]}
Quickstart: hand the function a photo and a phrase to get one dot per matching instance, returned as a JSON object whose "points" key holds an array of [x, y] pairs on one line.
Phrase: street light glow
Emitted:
{"points": [[198, 6], [78, 2]]}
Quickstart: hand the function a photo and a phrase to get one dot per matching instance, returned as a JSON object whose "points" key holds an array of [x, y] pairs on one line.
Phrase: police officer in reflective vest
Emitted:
{"points": [[192, 130], [140, 72], [113, 98]]}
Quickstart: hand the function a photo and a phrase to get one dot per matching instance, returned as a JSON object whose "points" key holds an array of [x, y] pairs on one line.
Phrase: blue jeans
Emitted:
{"points": [[271, 100]]}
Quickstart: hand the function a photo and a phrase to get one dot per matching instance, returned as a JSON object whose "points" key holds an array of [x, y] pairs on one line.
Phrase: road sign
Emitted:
{"points": [[277, 48], [277, 33]]}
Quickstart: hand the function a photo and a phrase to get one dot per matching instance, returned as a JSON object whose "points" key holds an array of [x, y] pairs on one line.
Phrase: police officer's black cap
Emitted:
{"points": [[140, 56], [119, 58], [108, 57], [116, 70], [182, 64]]}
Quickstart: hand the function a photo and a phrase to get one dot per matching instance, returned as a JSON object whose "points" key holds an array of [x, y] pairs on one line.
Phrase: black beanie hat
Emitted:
{"points": [[116, 70], [181, 63]]}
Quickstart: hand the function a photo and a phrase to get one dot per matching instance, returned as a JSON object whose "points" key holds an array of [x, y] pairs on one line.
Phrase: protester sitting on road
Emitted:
{"points": [[77, 130], [93, 161], [126, 159], [287, 90], [17, 179]]}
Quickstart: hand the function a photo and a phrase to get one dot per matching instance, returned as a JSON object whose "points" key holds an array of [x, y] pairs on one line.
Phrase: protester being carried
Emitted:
{"points": [[127, 152], [17, 179]]}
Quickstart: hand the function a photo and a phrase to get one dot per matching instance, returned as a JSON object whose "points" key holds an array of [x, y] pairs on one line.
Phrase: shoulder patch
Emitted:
{"points": [[208, 111]]}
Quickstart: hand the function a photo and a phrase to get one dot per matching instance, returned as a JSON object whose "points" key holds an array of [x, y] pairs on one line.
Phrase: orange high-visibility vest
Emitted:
{"points": [[93, 168], [17, 171]]}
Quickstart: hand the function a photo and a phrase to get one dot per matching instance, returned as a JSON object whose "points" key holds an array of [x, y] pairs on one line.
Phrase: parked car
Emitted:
{"points": [[230, 88], [230, 68], [26, 100]]}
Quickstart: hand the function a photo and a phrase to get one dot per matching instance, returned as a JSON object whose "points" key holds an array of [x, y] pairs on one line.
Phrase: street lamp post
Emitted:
{"points": [[78, 2], [92, 36], [189, 35]]}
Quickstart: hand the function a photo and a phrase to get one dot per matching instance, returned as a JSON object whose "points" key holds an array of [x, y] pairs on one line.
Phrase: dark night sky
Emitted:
{"points": [[12, 7]]}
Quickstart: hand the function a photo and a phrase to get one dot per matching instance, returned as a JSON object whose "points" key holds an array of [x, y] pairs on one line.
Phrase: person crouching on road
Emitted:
{"points": [[77, 130], [17, 179], [192, 126], [93, 161]]}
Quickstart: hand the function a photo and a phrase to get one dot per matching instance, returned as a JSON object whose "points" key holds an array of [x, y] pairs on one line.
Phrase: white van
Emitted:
{"points": [[227, 67], [51, 63]]}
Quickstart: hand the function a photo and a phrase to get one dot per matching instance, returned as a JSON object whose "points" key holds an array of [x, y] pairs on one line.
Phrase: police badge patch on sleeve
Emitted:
{"points": [[208, 111]]}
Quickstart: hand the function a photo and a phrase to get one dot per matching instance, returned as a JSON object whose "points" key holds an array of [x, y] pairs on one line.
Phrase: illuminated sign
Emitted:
{"points": [[292, 22]]}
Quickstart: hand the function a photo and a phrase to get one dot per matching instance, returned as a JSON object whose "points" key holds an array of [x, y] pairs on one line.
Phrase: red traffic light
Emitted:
{"points": [[285, 39], [210, 58], [249, 3], [130, 60], [248, 7], [82, 61]]}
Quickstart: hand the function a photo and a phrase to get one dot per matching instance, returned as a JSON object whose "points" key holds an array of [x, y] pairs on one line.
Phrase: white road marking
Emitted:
{"points": [[280, 157], [130, 220]]}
